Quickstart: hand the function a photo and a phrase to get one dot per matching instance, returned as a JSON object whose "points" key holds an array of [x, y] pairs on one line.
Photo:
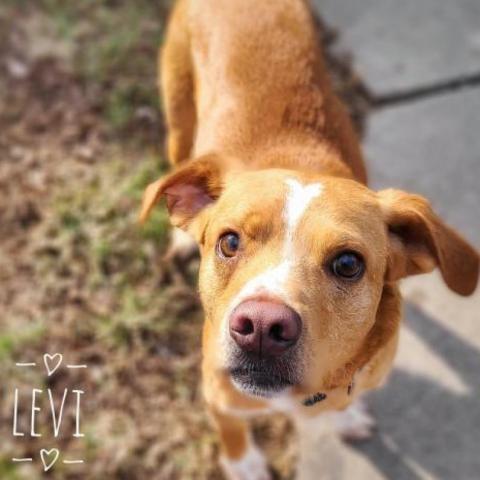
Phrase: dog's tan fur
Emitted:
{"points": [[249, 105]]}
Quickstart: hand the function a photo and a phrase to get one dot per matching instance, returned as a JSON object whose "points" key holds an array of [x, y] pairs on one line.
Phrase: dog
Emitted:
{"points": [[300, 260]]}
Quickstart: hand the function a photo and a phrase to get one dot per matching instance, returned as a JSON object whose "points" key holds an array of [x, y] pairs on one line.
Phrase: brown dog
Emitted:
{"points": [[300, 260]]}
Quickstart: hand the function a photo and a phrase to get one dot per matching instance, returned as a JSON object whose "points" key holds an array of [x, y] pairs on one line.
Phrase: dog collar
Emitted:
{"points": [[319, 396], [315, 398]]}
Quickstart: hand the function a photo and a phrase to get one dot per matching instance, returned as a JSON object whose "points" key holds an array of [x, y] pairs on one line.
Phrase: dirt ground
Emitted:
{"points": [[80, 137]]}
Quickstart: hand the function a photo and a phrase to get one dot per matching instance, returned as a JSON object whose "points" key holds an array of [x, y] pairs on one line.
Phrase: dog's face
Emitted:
{"points": [[294, 266], [291, 276]]}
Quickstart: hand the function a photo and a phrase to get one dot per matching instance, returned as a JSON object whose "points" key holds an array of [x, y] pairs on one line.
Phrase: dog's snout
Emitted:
{"points": [[265, 327]]}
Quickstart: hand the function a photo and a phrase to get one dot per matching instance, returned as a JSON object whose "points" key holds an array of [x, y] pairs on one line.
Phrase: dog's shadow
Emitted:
{"points": [[426, 430]]}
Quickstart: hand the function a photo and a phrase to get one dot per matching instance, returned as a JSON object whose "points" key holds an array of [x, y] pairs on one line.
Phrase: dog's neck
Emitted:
{"points": [[305, 154]]}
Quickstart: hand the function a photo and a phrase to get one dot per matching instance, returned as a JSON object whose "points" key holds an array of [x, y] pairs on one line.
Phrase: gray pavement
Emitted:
{"points": [[431, 146], [428, 413], [400, 45]]}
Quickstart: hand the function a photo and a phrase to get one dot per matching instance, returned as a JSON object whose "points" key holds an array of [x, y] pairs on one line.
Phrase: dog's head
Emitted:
{"points": [[295, 266]]}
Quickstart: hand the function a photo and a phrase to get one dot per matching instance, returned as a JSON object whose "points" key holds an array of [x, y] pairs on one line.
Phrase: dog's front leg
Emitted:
{"points": [[240, 458]]}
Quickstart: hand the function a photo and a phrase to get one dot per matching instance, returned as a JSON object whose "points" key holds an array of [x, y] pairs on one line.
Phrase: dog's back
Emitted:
{"points": [[254, 86]]}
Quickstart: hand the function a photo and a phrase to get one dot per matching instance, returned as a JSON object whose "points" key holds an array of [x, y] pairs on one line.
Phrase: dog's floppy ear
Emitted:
{"points": [[420, 241], [187, 190]]}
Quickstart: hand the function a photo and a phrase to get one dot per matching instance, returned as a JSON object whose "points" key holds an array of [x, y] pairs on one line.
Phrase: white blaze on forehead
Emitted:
{"points": [[273, 280], [299, 198]]}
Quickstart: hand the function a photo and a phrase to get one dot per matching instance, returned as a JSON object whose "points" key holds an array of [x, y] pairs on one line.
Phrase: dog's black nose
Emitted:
{"points": [[265, 327]]}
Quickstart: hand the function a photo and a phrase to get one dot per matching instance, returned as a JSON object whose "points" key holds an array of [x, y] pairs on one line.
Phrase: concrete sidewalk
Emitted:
{"points": [[424, 138]]}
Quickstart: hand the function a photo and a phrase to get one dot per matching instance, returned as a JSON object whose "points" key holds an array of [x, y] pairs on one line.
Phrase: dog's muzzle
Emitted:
{"points": [[266, 335]]}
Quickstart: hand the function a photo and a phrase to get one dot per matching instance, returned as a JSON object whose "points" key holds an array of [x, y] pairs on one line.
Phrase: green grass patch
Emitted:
{"points": [[8, 470], [10, 341], [95, 233], [115, 48]]}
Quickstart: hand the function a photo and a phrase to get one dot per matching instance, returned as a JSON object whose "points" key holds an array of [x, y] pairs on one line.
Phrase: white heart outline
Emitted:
{"points": [[47, 358], [43, 452]]}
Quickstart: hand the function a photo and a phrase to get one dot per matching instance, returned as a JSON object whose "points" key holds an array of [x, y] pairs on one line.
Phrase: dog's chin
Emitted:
{"points": [[259, 383]]}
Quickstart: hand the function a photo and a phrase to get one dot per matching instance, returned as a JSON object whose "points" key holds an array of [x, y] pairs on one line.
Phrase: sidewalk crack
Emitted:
{"points": [[427, 91]]}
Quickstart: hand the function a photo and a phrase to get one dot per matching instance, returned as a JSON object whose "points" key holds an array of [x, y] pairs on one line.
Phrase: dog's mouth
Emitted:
{"points": [[259, 383], [263, 378]]}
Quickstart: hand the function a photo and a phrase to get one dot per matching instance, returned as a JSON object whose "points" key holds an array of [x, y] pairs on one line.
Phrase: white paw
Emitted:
{"points": [[354, 423], [252, 466]]}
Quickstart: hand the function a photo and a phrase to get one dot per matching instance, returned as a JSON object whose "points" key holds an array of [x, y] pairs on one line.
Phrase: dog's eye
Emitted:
{"points": [[348, 265], [228, 244]]}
